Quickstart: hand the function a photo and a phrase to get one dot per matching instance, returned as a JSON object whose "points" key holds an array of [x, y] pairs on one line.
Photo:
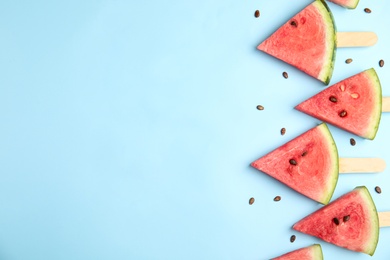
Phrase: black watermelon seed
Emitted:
{"points": [[257, 13], [348, 61], [277, 198], [292, 238], [333, 99], [378, 189], [336, 221], [346, 218], [260, 107], [283, 131], [352, 142], [304, 153], [285, 75], [293, 162], [343, 113], [367, 10], [251, 201], [381, 63]]}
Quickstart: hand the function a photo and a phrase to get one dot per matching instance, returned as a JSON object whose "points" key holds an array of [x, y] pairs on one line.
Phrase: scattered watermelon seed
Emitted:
{"points": [[285, 75], [257, 13], [251, 201], [348, 61], [352, 142], [293, 162], [283, 131], [367, 10], [260, 107], [381, 63], [343, 113], [304, 153], [292, 238], [277, 198], [378, 189], [336, 221], [333, 99], [346, 218]]}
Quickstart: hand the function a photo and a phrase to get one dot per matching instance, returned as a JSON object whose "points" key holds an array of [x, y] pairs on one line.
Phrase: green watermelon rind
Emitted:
{"points": [[373, 241], [377, 112], [331, 39], [333, 177]]}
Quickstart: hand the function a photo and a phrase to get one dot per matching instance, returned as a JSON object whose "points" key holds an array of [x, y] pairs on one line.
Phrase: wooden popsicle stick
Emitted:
{"points": [[356, 39], [384, 219], [385, 104], [361, 165]]}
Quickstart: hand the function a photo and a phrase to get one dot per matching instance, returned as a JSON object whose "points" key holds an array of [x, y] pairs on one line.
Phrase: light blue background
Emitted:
{"points": [[128, 127]]}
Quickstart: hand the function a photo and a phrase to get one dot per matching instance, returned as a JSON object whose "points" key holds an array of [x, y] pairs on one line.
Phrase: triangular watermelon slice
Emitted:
{"points": [[308, 164], [353, 104], [350, 4], [313, 252], [307, 41], [350, 221]]}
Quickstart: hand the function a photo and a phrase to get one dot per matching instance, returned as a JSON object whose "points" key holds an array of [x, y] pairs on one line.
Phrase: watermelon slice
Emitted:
{"points": [[313, 252], [307, 41], [351, 222], [354, 104], [308, 164], [350, 4]]}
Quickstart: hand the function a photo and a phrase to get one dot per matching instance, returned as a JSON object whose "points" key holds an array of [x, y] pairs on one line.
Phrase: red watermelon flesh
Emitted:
{"points": [[351, 4], [360, 96], [356, 227], [307, 41], [307, 164], [313, 252]]}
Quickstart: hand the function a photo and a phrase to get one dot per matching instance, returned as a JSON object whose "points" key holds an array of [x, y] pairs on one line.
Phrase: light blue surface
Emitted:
{"points": [[128, 127]]}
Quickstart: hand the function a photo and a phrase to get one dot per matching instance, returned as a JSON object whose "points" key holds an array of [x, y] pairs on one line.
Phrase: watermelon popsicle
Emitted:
{"points": [[354, 104], [308, 41], [351, 221], [310, 164]]}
